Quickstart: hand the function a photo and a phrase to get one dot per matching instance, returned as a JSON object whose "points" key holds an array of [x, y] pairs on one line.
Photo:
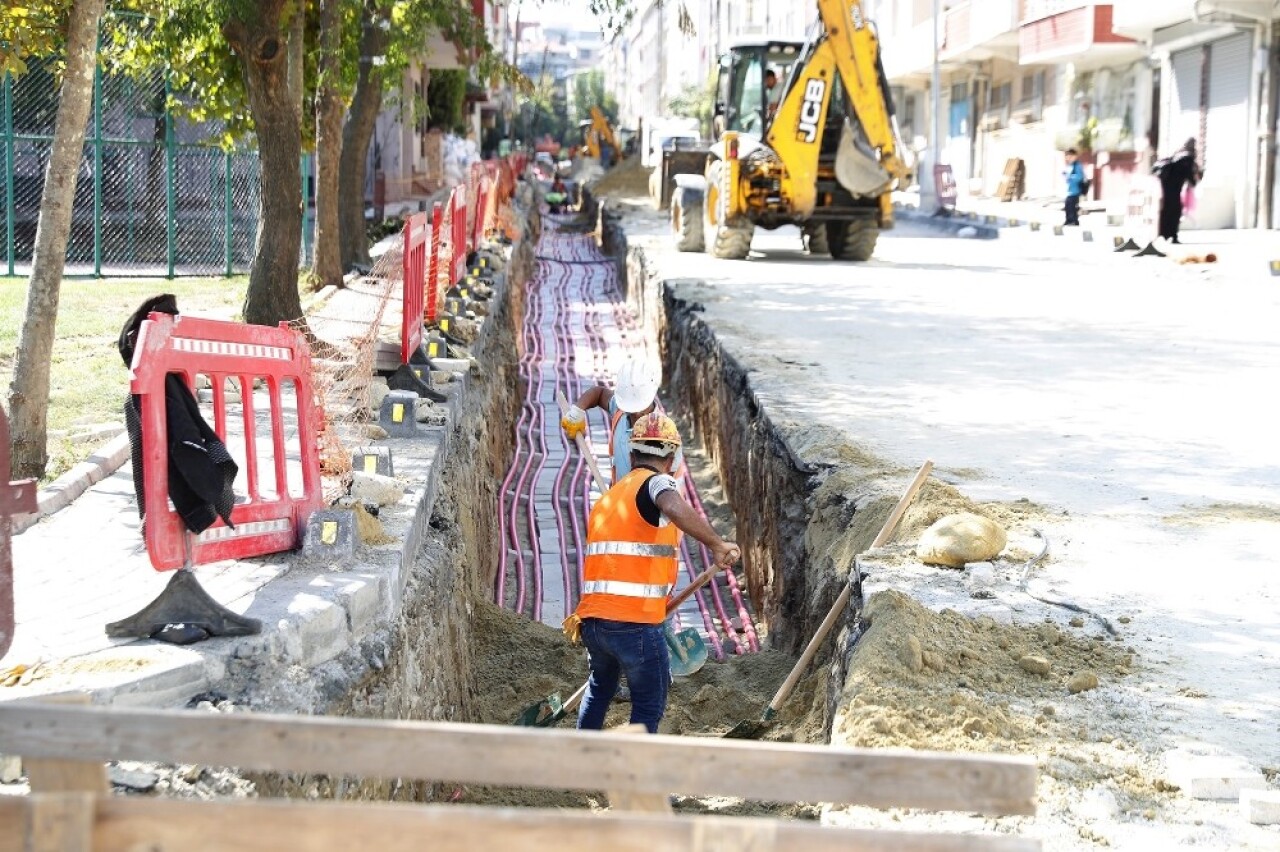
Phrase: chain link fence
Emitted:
{"points": [[155, 195]]}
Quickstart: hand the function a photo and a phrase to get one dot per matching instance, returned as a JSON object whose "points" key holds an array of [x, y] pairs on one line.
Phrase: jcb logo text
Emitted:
{"points": [[811, 110]]}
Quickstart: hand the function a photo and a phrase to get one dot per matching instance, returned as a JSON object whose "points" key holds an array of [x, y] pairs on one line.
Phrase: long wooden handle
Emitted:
{"points": [[583, 446], [886, 532]]}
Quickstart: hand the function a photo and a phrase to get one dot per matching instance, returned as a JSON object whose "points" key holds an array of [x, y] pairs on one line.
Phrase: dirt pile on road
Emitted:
{"points": [[944, 681], [625, 180]]}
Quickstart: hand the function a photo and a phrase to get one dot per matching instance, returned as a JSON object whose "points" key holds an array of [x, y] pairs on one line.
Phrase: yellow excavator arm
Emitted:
{"points": [[603, 134], [847, 48]]}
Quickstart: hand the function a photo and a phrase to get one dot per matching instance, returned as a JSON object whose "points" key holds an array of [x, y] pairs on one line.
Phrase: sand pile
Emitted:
{"points": [[944, 681], [626, 180]]}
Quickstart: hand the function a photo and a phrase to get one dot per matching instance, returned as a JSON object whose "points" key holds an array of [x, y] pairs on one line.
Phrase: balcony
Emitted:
{"points": [[979, 30], [1058, 30]]}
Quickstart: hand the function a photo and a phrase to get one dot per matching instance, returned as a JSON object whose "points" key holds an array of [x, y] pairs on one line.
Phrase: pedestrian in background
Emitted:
{"points": [[1076, 183], [1175, 173]]}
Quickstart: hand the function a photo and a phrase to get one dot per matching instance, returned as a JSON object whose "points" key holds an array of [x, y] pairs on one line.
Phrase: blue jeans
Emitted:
{"points": [[640, 652]]}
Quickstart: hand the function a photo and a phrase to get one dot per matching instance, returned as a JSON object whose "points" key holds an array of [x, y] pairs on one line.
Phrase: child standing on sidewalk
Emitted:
{"points": [[1074, 173]]}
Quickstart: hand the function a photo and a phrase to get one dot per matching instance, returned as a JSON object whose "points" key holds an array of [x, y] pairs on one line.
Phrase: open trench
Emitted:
{"points": [[478, 640]]}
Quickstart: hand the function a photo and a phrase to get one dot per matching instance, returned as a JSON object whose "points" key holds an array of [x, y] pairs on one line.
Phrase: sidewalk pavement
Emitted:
{"points": [[85, 565], [1242, 254]]}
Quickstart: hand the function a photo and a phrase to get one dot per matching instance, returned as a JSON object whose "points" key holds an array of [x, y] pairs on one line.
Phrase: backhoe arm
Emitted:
{"points": [[848, 47], [856, 51]]}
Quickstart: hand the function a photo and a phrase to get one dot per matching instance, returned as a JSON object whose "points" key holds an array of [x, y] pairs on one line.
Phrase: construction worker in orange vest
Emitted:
{"points": [[635, 394], [630, 571]]}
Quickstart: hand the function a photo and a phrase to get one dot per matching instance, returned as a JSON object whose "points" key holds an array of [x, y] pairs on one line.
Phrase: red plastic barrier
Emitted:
{"points": [[458, 239], [944, 183], [484, 188], [220, 350], [415, 271], [433, 269]]}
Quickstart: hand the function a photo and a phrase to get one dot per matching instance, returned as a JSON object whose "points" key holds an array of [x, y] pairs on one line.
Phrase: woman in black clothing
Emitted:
{"points": [[1175, 172]]}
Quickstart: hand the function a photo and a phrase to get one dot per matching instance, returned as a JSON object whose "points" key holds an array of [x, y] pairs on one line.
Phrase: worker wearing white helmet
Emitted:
{"points": [[634, 395]]}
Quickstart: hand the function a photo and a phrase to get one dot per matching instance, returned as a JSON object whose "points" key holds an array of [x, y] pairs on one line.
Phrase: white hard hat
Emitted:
{"points": [[637, 385]]}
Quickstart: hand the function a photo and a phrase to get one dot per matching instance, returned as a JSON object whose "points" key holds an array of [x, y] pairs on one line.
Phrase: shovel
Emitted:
{"points": [[690, 656], [753, 729], [583, 446]]}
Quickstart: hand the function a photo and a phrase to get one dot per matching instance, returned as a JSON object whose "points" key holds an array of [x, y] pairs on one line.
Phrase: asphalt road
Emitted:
{"points": [[1132, 398]]}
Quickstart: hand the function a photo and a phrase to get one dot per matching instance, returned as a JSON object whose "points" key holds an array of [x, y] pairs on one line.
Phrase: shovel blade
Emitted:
{"points": [[687, 651], [545, 713], [752, 729]]}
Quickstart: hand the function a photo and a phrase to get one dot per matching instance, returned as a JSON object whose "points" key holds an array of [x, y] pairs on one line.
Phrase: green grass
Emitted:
{"points": [[88, 380]]}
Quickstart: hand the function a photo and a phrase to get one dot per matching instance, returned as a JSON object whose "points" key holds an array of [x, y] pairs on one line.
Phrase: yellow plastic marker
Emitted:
{"points": [[431, 349], [328, 532], [417, 372], [370, 464], [397, 412]]}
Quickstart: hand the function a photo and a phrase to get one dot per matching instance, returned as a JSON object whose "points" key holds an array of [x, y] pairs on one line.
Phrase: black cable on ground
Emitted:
{"points": [[1022, 586]]}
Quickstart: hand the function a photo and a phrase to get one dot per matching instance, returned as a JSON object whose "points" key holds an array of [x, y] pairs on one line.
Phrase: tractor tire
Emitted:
{"points": [[686, 219], [722, 239], [815, 239], [853, 239]]}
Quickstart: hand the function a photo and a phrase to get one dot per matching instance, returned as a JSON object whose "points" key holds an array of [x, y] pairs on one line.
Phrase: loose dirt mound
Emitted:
{"points": [[626, 180], [944, 681], [519, 662]]}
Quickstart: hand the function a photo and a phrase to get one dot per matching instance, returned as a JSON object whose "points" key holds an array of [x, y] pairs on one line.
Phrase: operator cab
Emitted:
{"points": [[744, 100]]}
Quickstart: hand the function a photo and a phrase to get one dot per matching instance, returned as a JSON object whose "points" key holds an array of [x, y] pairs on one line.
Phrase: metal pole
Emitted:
{"points": [[171, 198], [935, 130], [97, 165], [8, 168], [226, 216]]}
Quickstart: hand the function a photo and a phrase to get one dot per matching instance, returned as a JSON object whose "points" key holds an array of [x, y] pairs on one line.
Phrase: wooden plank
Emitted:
{"points": [[626, 800], [61, 822], [128, 823], [515, 756], [53, 775], [14, 811]]}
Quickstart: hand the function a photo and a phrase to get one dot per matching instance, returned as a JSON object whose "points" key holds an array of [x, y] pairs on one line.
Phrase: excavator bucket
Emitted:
{"points": [[857, 167]]}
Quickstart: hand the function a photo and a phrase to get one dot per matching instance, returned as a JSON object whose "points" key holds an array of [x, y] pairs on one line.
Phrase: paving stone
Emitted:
{"points": [[1260, 807], [1203, 774]]}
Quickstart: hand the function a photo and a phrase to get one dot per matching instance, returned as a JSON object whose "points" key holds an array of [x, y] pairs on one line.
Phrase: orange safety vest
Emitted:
{"points": [[630, 565]]}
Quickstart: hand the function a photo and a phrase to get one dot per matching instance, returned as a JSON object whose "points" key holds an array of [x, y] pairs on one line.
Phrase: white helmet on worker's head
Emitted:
{"points": [[637, 385]]}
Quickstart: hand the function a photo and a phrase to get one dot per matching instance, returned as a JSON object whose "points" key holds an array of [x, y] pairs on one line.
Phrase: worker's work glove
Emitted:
{"points": [[572, 627], [574, 422]]}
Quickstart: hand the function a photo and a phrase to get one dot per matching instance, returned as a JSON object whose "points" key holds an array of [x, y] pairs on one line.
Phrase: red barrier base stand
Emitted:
{"points": [[416, 377], [182, 614]]}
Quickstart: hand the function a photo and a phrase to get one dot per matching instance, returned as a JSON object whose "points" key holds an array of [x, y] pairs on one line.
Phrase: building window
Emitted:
{"points": [[1000, 95], [959, 91]]}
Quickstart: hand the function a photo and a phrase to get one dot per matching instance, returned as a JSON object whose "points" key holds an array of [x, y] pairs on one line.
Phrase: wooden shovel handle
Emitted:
{"points": [[886, 532], [583, 446]]}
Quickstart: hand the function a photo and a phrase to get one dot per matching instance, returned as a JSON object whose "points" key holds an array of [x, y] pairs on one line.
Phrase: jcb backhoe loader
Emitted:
{"points": [[598, 135], [822, 154]]}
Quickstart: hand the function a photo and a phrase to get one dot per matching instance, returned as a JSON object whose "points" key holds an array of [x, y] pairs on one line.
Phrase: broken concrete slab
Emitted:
{"points": [[1203, 773], [1260, 807]]}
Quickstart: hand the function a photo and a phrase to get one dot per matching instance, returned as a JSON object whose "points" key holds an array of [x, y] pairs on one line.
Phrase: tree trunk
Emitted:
{"points": [[29, 390], [260, 42], [356, 134], [330, 109]]}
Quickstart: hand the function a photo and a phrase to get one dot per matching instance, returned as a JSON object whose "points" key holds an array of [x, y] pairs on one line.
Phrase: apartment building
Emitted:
{"points": [[655, 58], [1124, 82]]}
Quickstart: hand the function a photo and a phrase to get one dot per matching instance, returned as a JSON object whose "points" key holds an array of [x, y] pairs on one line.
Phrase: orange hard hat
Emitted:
{"points": [[655, 434]]}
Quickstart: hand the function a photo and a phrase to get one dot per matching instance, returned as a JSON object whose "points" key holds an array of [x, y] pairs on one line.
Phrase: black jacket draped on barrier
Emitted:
{"points": [[201, 471]]}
